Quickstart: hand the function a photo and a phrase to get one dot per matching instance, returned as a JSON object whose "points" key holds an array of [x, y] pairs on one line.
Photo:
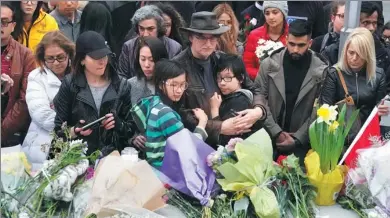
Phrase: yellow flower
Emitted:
{"points": [[12, 162], [334, 126], [327, 113]]}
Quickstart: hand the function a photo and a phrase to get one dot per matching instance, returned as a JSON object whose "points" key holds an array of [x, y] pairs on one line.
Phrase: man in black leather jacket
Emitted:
{"points": [[200, 61]]}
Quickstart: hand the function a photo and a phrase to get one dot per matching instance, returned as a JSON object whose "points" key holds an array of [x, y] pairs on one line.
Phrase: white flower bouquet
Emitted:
{"points": [[266, 47], [48, 192]]}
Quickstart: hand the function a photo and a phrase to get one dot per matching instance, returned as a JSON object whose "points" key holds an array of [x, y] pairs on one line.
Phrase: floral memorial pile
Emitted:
{"points": [[237, 180]]}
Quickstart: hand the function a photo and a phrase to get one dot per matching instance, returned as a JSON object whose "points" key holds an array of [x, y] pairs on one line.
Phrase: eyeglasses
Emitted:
{"points": [[4, 23], [225, 79], [368, 23], [31, 2], [386, 38], [175, 86], [204, 39], [341, 16], [51, 59]]}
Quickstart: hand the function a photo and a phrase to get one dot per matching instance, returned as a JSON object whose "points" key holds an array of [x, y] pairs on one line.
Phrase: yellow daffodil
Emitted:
{"points": [[334, 126], [327, 113]]}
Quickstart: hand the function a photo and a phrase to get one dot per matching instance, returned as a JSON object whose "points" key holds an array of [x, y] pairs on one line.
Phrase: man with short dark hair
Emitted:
{"points": [[17, 61], [147, 21], [68, 18], [289, 84], [200, 60]]}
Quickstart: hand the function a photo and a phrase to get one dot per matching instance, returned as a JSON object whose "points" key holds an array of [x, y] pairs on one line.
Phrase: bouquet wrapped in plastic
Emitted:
{"points": [[327, 136], [122, 185], [185, 169], [14, 169], [246, 169]]}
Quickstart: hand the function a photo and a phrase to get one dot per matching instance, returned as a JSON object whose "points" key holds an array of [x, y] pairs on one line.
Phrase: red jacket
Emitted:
{"points": [[251, 61], [16, 117]]}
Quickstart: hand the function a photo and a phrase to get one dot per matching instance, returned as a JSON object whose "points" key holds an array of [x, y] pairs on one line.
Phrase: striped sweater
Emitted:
{"points": [[157, 122]]}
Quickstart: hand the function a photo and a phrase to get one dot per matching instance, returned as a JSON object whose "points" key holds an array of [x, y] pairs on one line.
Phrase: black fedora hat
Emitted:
{"points": [[205, 22]]}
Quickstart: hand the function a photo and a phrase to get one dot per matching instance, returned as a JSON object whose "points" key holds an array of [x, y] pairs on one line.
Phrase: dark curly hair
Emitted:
{"points": [[17, 34], [149, 12], [177, 20]]}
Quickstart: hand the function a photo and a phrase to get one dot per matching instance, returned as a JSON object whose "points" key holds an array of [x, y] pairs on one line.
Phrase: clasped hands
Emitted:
{"points": [[242, 123]]}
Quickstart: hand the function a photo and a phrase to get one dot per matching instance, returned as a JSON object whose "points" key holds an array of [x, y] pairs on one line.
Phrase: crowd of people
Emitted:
{"points": [[150, 69]]}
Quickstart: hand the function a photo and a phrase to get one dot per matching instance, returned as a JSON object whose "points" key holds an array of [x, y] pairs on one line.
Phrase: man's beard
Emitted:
{"points": [[297, 56]]}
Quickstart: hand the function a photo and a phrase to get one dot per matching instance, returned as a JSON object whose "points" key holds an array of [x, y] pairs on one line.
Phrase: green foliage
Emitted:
{"points": [[29, 195], [328, 142], [297, 194]]}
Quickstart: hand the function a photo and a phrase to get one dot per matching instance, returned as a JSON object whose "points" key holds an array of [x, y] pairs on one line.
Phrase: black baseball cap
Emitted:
{"points": [[92, 44]]}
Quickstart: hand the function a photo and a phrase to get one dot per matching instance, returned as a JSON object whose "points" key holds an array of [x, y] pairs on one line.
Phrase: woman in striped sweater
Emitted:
{"points": [[157, 116]]}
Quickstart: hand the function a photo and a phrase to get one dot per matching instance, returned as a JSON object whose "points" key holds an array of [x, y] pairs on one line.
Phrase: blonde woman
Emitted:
{"points": [[228, 42], [357, 66]]}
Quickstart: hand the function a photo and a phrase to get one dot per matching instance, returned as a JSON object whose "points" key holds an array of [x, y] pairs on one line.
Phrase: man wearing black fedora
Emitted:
{"points": [[200, 60]]}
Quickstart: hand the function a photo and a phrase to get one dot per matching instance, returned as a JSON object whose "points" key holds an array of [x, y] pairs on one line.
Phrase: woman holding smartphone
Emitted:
{"points": [[94, 90]]}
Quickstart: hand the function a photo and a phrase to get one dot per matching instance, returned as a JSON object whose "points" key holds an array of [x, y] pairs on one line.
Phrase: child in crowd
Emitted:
{"points": [[157, 116], [230, 75]]}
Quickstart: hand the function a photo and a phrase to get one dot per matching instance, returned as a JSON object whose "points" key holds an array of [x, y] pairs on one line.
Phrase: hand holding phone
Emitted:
{"points": [[109, 122], [77, 130], [89, 125]]}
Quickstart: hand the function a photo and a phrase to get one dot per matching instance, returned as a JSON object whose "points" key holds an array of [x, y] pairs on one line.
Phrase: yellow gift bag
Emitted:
{"points": [[328, 185]]}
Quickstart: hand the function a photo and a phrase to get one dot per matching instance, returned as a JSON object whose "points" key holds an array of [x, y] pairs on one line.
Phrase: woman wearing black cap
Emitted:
{"points": [[92, 91]]}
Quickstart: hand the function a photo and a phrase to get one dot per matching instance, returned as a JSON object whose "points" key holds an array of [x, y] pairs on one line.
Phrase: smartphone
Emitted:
{"points": [[89, 125]]}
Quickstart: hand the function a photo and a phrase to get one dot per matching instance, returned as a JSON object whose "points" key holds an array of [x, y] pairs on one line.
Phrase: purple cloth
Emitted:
{"points": [[185, 168]]}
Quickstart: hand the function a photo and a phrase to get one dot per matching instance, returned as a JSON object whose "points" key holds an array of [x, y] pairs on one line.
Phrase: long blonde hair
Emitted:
{"points": [[227, 41], [363, 41]]}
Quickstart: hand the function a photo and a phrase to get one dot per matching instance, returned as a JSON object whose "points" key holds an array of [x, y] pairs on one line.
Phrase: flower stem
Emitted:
{"points": [[19, 202]]}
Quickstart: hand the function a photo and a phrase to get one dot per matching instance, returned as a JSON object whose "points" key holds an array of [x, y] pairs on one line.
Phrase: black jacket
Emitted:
{"points": [[364, 94], [382, 54], [313, 11], [74, 102], [196, 93], [235, 102], [253, 12], [320, 43]]}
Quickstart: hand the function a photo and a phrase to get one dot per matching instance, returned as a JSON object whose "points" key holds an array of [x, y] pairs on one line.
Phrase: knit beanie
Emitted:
{"points": [[281, 5]]}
